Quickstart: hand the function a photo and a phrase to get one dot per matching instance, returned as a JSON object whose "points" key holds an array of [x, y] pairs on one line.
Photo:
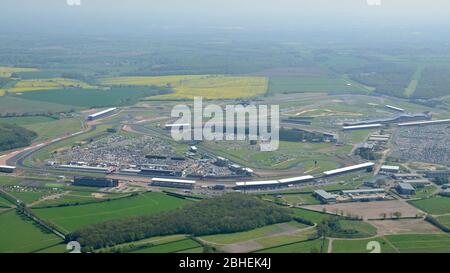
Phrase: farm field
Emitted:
{"points": [[223, 239], [360, 246], [21, 235], [29, 196], [306, 84], [74, 217], [435, 205], [421, 243], [22, 121], [4, 203], [19, 105], [206, 86], [305, 198], [6, 72], [306, 246], [46, 84], [55, 128], [445, 220], [89, 98], [79, 197], [170, 247]]}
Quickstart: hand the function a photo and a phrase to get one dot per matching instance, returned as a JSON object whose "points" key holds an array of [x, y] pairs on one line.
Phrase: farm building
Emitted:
{"points": [[365, 194], [95, 182], [363, 191], [405, 188], [173, 183], [102, 114], [419, 183], [324, 196], [7, 169], [389, 169], [365, 166]]}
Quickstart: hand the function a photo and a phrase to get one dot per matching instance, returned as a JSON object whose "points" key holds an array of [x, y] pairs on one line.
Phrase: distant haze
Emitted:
{"points": [[140, 16]]}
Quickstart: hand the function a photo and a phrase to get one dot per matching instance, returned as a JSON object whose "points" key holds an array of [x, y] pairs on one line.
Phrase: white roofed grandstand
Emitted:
{"points": [[101, 113], [349, 169], [430, 122], [362, 127]]}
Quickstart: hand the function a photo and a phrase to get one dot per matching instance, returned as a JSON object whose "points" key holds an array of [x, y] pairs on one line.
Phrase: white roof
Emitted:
{"points": [[102, 112], [257, 183], [395, 108], [363, 191], [425, 122], [350, 168], [178, 125], [387, 167], [170, 180], [84, 167], [7, 167], [296, 179], [368, 126]]}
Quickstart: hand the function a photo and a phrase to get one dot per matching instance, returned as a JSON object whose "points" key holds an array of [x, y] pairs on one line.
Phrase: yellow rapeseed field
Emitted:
{"points": [[47, 84], [206, 86], [8, 71]]}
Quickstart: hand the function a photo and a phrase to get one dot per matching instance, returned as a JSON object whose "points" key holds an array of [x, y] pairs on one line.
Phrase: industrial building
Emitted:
{"points": [[102, 114], [363, 191], [362, 127], [406, 176], [405, 188], [424, 123], [95, 182], [7, 169], [367, 166], [375, 182], [418, 183], [445, 192], [173, 183], [438, 174], [324, 196], [390, 169]]}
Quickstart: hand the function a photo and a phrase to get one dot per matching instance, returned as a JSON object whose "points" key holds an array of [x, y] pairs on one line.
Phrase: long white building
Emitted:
{"points": [[101, 114], [358, 167]]}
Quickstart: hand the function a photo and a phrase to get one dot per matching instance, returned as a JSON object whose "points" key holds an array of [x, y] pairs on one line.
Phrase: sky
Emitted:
{"points": [[135, 16]]}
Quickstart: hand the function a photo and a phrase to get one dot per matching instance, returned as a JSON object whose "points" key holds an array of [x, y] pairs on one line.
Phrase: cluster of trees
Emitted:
{"points": [[225, 214], [367, 154], [295, 135], [436, 223], [433, 83], [387, 78], [13, 136], [331, 227]]}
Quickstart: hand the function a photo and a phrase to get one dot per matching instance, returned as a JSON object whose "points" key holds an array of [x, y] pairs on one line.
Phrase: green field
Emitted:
{"points": [[19, 234], [55, 128], [94, 98], [363, 229], [170, 247], [360, 246], [78, 197], [19, 105], [307, 84], [313, 216], [4, 203], [231, 238], [421, 243], [300, 198], [21, 121], [289, 154], [445, 220], [306, 246], [435, 205], [29, 196], [74, 217]]}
